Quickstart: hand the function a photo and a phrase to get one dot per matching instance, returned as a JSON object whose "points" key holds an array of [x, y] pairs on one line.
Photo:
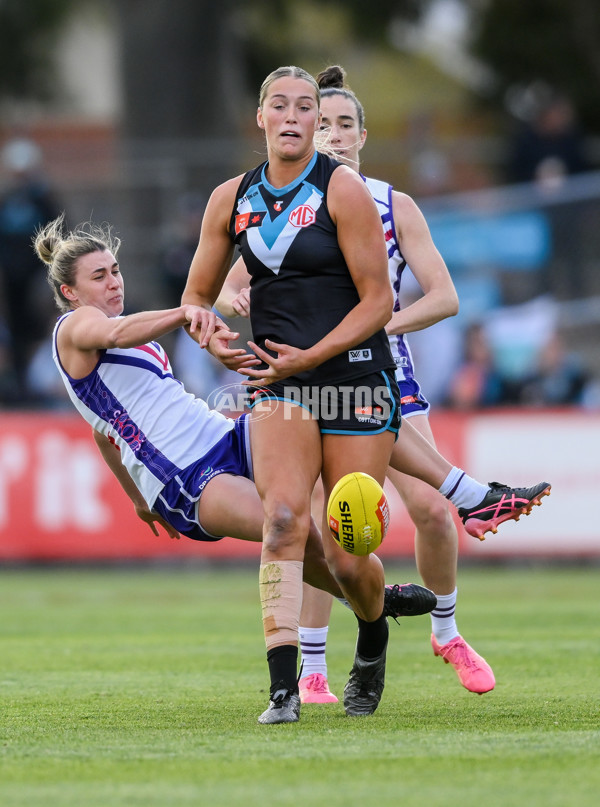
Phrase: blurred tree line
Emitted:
{"points": [[27, 35], [186, 65]]}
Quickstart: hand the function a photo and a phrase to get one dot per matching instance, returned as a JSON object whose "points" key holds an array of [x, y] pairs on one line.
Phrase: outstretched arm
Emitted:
{"points": [[89, 329]]}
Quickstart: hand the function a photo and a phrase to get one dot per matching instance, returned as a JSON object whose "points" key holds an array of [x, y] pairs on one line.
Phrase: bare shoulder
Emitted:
{"points": [[77, 355], [404, 205], [344, 179], [408, 216], [224, 194], [77, 324], [220, 205], [347, 192], [80, 316]]}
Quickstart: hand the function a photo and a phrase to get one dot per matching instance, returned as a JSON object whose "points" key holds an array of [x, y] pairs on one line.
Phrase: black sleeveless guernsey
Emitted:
{"points": [[300, 284]]}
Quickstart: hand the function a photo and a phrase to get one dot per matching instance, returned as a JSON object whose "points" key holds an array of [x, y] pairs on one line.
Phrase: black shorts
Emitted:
{"points": [[369, 404]]}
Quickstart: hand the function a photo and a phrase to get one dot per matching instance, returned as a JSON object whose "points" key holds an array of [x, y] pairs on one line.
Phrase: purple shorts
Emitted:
{"points": [[412, 400], [178, 501]]}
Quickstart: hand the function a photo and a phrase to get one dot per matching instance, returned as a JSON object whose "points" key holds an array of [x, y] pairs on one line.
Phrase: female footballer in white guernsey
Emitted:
{"points": [[181, 463], [409, 243]]}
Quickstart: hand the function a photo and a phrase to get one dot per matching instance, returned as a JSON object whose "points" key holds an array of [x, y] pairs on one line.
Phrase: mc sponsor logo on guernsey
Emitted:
{"points": [[302, 216]]}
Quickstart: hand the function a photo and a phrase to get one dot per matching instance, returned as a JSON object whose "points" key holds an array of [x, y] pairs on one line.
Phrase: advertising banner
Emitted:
{"points": [[59, 501]]}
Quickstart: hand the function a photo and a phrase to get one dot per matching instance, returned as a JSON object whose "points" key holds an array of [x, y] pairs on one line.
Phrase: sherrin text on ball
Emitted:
{"points": [[358, 513]]}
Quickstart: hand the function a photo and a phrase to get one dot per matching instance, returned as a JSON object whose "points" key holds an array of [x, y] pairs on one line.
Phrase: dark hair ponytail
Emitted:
{"points": [[333, 77]]}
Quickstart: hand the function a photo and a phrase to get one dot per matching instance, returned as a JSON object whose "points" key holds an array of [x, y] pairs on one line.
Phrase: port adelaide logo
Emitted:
{"points": [[250, 219]]}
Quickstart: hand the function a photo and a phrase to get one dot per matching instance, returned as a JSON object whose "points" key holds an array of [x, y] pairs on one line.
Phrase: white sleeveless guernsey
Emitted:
{"points": [[131, 393], [382, 194]]}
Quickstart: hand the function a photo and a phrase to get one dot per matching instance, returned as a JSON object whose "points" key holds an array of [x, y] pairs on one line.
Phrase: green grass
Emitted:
{"points": [[142, 687]]}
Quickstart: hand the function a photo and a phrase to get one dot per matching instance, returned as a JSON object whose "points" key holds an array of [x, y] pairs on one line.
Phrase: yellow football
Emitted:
{"points": [[358, 513]]}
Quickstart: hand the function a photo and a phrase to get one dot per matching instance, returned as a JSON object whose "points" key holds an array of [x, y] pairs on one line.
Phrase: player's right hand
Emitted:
{"points": [[152, 519]]}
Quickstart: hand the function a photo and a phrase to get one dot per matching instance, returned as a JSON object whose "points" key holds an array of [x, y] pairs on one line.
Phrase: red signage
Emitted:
{"points": [[59, 501]]}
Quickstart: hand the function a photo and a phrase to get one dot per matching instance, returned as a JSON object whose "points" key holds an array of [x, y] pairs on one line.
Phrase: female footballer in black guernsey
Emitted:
{"points": [[326, 398], [301, 286]]}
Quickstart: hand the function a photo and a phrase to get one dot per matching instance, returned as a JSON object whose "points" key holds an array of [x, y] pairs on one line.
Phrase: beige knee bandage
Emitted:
{"points": [[281, 599]]}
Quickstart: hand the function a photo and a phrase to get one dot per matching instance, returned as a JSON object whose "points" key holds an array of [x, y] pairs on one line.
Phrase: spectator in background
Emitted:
{"points": [[559, 379], [26, 203], [430, 170], [476, 382], [178, 253], [44, 385], [435, 350], [200, 372], [7, 381], [550, 145], [549, 150]]}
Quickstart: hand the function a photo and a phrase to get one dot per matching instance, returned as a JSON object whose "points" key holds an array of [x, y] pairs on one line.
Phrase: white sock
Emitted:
{"points": [[312, 646], [462, 490], [443, 623]]}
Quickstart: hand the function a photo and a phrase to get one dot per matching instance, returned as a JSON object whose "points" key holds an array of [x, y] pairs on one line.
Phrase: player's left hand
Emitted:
{"points": [[232, 358], [288, 361]]}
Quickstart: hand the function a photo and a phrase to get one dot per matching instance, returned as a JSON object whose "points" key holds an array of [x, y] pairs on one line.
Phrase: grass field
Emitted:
{"points": [[142, 687]]}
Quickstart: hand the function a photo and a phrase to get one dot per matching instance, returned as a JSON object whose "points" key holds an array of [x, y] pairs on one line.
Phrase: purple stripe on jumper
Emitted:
{"points": [[94, 394]]}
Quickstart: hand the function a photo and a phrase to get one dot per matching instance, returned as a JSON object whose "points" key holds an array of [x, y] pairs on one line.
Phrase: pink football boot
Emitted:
{"points": [[315, 689], [473, 671]]}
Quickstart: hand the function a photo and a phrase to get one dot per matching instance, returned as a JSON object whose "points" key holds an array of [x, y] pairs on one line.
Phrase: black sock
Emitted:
{"points": [[372, 637], [283, 667]]}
